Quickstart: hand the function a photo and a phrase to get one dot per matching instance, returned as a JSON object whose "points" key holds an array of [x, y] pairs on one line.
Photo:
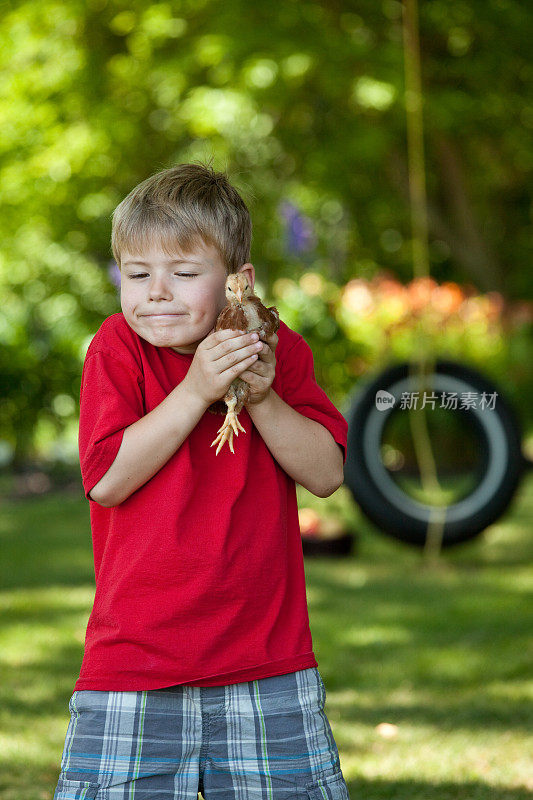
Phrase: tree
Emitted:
{"points": [[302, 106]]}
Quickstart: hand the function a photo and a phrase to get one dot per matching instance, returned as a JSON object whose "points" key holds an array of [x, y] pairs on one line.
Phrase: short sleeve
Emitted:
{"points": [[110, 400], [301, 391]]}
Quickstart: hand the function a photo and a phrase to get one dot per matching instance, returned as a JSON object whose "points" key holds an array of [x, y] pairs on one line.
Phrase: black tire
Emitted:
{"points": [[314, 546], [397, 513]]}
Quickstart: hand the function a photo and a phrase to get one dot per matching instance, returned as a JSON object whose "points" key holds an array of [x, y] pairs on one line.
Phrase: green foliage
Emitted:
{"points": [[304, 105]]}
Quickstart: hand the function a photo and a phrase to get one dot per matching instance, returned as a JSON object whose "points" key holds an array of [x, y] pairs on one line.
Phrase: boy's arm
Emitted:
{"points": [[148, 444], [303, 447]]}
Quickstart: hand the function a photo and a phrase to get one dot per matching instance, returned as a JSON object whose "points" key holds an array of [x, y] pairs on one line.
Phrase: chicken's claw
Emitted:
{"points": [[225, 432]]}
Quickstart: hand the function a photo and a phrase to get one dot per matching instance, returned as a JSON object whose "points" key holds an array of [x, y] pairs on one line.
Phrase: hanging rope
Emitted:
{"points": [[423, 363]]}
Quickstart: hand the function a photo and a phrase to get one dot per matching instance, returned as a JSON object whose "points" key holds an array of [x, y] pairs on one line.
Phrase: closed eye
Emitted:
{"points": [[181, 274]]}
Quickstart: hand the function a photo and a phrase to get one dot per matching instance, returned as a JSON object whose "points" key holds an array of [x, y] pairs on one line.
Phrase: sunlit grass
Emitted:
{"points": [[451, 489], [440, 654], [444, 655]]}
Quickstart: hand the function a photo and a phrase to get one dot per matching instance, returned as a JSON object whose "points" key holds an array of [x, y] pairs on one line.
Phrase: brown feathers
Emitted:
{"points": [[244, 312]]}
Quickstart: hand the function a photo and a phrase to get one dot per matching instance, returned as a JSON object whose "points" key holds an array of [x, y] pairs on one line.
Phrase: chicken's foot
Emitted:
{"points": [[230, 424]]}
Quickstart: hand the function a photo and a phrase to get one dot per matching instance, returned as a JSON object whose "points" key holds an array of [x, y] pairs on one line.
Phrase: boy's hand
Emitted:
{"points": [[260, 375], [220, 358]]}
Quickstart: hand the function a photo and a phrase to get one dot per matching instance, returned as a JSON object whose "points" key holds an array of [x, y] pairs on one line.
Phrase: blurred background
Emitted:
{"points": [[304, 106]]}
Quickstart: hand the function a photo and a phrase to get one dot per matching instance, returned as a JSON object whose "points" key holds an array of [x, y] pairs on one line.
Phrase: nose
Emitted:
{"points": [[159, 288]]}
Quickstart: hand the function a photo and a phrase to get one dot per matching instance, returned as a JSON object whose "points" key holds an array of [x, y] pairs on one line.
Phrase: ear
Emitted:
{"points": [[249, 269]]}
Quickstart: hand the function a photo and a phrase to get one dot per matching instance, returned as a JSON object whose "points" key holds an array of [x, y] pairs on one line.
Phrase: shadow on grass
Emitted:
{"points": [[420, 790], [445, 650]]}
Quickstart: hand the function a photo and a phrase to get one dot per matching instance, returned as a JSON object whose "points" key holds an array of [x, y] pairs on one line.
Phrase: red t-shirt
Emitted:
{"points": [[199, 573]]}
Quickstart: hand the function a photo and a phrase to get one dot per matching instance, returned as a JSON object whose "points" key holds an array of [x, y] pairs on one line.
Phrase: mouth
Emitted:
{"points": [[163, 316]]}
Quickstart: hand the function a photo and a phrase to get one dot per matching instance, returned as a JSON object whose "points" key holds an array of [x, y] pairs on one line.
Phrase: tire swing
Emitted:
{"points": [[480, 470], [439, 478]]}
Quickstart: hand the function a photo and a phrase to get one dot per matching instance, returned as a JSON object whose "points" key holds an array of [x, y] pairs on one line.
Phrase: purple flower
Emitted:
{"points": [[299, 233], [114, 273]]}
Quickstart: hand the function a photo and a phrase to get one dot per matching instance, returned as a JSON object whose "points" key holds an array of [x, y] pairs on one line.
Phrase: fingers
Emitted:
{"points": [[237, 357], [240, 366], [272, 340], [223, 335], [260, 368], [219, 337], [233, 346], [267, 354], [250, 379], [234, 350], [256, 376]]}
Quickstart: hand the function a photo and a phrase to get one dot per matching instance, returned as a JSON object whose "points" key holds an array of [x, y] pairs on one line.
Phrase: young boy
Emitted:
{"points": [[198, 672]]}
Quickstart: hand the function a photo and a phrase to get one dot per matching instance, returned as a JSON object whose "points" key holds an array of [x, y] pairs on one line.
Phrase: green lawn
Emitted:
{"points": [[441, 654]]}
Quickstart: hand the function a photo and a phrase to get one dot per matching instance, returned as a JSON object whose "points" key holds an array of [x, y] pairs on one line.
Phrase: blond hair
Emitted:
{"points": [[180, 208]]}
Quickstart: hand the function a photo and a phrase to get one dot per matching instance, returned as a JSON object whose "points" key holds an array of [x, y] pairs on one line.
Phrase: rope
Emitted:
{"points": [[424, 364]]}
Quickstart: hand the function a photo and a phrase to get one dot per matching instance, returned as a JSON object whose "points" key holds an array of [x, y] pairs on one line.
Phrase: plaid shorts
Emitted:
{"points": [[268, 738]]}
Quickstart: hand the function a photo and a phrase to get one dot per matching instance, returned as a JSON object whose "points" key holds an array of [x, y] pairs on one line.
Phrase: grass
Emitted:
{"points": [[440, 654]]}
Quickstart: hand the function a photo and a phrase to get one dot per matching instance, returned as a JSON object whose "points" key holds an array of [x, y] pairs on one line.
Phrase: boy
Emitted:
{"points": [[198, 672]]}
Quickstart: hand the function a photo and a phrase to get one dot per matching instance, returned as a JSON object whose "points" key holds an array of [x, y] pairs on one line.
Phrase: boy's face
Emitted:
{"points": [[167, 307]]}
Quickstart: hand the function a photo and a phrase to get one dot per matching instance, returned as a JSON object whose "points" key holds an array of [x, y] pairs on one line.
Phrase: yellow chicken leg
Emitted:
{"points": [[231, 424]]}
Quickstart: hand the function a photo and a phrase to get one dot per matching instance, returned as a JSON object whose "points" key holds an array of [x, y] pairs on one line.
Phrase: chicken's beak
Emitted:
{"points": [[238, 295]]}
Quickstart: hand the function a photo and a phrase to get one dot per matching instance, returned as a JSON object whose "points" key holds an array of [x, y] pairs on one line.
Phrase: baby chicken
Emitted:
{"points": [[244, 311]]}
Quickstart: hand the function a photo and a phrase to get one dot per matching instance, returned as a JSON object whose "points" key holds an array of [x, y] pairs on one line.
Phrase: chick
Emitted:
{"points": [[244, 311]]}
